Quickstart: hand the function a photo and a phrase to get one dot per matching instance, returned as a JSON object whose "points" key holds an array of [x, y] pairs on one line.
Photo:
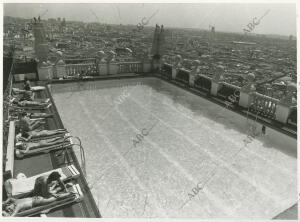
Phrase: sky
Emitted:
{"points": [[229, 17]]}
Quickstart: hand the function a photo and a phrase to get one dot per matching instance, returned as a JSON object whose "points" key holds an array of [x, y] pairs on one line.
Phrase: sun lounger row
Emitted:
{"points": [[41, 193]]}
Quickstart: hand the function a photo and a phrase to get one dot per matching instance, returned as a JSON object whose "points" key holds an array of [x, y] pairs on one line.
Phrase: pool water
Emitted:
{"points": [[154, 150]]}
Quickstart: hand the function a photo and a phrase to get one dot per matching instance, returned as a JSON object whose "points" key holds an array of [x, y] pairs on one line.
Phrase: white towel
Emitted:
{"points": [[36, 88]]}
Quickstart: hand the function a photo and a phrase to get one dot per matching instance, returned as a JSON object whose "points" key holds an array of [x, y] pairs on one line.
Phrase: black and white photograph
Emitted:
{"points": [[150, 110]]}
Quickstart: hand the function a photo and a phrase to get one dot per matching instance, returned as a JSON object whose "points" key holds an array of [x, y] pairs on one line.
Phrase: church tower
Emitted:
{"points": [[40, 43]]}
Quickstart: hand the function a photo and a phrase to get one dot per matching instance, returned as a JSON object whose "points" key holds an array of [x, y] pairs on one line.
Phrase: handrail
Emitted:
{"points": [[82, 154]]}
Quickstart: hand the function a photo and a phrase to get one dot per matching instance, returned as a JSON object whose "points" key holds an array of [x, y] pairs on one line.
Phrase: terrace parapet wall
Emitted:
{"points": [[112, 68], [61, 70], [247, 92], [216, 83], [147, 65], [286, 104], [193, 73], [45, 72], [248, 97], [176, 66]]}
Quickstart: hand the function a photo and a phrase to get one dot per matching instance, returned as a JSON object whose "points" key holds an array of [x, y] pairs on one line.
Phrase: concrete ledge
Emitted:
{"points": [[10, 155]]}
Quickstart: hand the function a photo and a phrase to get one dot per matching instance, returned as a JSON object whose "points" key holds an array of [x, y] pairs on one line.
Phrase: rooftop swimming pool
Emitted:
{"points": [[154, 150]]}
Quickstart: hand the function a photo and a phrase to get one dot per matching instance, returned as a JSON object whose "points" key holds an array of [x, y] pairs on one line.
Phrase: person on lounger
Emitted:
{"points": [[16, 91], [48, 185], [26, 124], [42, 105], [24, 147], [40, 115], [33, 115], [12, 206], [26, 136], [27, 96], [26, 88], [27, 85]]}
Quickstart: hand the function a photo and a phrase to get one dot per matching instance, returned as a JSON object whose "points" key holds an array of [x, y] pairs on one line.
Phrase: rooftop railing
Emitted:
{"points": [[264, 105], [203, 82], [130, 67], [259, 104], [75, 69]]}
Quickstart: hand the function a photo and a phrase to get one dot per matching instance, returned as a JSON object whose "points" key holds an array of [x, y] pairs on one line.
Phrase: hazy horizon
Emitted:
{"points": [[226, 17]]}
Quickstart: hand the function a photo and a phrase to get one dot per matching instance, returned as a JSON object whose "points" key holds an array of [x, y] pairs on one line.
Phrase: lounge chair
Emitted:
{"points": [[75, 196], [45, 149], [20, 187], [16, 107]]}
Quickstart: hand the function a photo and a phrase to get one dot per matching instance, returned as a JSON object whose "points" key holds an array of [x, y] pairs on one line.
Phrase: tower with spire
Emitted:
{"points": [[40, 43], [158, 45]]}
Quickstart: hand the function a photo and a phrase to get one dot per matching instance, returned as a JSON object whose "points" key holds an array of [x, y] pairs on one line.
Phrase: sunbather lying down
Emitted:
{"points": [[31, 116], [12, 206], [26, 136], [25, 146], [47, 189], [39, 115], [26, 95], [42, 105]]}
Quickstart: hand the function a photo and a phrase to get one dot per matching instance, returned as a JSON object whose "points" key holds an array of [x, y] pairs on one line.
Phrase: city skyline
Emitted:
{"points": [[226, 17]]}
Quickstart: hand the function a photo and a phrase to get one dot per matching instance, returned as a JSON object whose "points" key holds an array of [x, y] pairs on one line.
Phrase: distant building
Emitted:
{"points": [[40, 44]]}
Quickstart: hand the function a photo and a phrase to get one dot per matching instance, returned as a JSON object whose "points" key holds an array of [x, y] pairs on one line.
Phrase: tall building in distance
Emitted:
{"points": [[40, 43], [212, 33]]}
